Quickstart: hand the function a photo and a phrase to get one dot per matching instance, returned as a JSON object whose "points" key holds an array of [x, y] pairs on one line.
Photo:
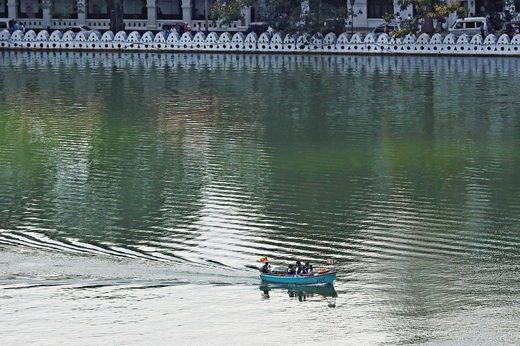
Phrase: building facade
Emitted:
{"points": [[138, 14], [153, 14]]}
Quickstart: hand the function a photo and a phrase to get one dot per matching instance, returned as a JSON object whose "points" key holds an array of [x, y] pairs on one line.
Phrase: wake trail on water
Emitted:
{"points": [[40, 241], [36, 266]]}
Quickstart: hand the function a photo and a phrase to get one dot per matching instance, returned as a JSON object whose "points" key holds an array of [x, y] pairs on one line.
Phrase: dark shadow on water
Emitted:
{"points": [[302, 293]]}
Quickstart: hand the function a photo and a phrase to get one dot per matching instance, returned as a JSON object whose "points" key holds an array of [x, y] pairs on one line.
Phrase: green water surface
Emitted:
{"points": [[174, 173]]}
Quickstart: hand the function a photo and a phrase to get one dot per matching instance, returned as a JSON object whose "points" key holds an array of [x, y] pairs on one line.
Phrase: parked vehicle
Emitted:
{"points": [[4, 24], [384, 28], [82, 28], [471, 26]]}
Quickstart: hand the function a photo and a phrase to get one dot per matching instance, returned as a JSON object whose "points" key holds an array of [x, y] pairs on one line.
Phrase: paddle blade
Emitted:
{"points": [[331, 261], [263, 259]]}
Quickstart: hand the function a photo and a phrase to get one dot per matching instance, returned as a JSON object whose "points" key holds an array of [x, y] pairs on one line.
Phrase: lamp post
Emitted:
{"points": [[206, 14], [352, 2]]}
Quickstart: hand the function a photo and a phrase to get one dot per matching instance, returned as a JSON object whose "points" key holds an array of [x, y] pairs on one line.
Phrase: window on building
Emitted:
{"points": [[169, 9], [378, 8], [198, 9], [64, 9], [29, 9], [135, 9], [3, 8]]}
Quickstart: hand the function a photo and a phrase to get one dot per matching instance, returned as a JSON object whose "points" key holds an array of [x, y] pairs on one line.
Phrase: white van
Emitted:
{"points": [[471, 26]]}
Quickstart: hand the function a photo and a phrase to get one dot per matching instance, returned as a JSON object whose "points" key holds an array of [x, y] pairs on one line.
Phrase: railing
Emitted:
{"points": [[233, 26], [63, 23], [436, 45], [99, 24], [136, 24], [32, 22], [130, 24]]}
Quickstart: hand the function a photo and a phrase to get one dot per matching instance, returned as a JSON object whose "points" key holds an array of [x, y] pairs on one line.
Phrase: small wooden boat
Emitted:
{"points": [[318, 278]]}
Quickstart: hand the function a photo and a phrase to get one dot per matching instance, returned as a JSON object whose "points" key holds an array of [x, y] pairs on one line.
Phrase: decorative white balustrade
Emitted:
{"points": [[130, 24], [238, 42]]}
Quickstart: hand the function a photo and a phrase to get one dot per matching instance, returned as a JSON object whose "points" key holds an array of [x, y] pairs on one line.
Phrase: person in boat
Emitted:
{"points": [[291, 270], [266, 268], [307, 268], [299, 268]]}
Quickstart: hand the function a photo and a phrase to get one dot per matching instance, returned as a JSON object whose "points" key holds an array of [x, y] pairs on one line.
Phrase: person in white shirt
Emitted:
{"points": [[398, 21]]}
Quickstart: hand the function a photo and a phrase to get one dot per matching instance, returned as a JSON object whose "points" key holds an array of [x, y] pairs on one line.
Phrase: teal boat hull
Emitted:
{"points": [[316, 279]]}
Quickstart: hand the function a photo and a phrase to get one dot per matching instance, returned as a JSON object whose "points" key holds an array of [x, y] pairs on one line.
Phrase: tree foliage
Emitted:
{"points": [[310, 16], [229, 10], [327, 15], [428, 10]]}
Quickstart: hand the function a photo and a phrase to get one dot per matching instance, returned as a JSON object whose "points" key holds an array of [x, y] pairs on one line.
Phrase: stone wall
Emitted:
{"points": [[265, 43]]}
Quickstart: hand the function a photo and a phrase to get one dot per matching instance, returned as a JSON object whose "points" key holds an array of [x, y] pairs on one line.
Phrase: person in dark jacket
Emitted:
{"points": [[266, 268], [299, 268], [291, 270], [307, 268]]}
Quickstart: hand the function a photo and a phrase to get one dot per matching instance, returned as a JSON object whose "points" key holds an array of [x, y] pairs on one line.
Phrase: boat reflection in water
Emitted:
{"points": [[303, 293]]}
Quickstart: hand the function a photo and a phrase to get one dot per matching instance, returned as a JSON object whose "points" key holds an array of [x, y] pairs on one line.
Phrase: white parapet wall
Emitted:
{"points": [[265, 43]]}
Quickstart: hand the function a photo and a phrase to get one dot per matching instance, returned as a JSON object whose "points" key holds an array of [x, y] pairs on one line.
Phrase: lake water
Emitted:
{"points": [[138, 191]]}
